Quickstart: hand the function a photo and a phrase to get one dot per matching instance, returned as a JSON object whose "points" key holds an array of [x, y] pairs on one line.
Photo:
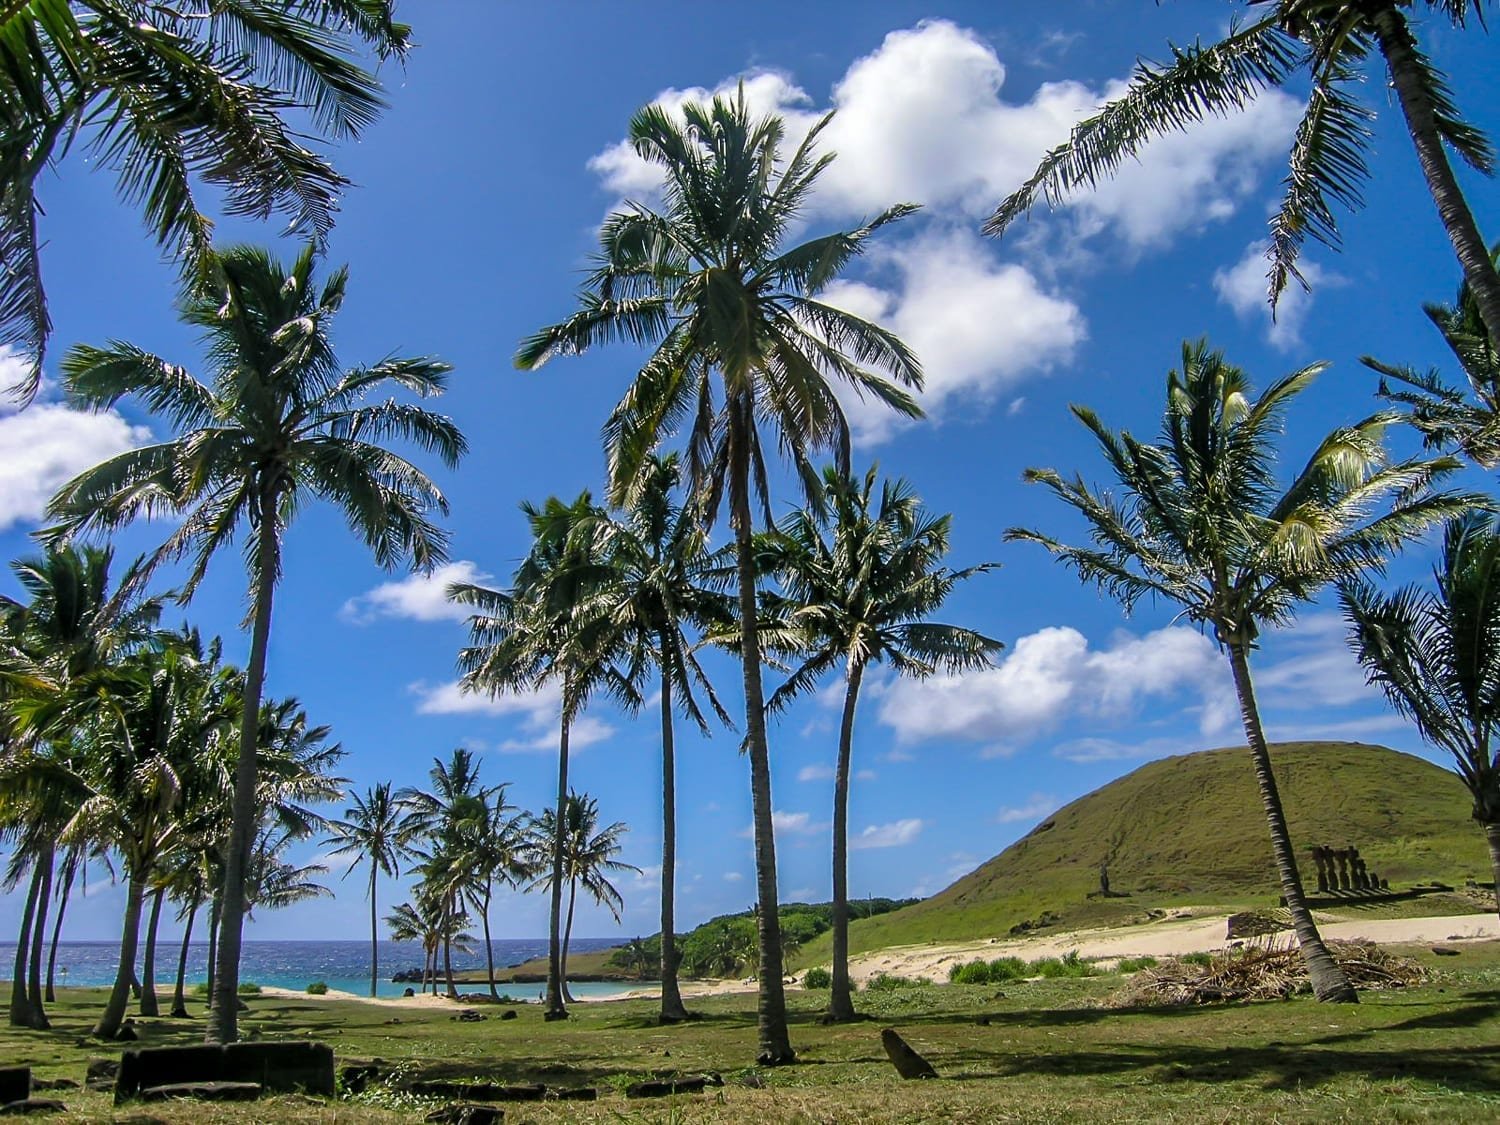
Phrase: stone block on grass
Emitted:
{"points": [[15, 1084]]}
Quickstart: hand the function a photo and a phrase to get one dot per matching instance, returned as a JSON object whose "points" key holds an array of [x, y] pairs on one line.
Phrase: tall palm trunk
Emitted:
{"points": [[1492, 835], [556, 1010], [114, 1011], [1328, 980], [70, 870], [841, 1000], [1399, 49], [20, 1007], [568, 938], [215, 912], [672, 1009], [374, 933], [179, 998], [771, 1031], [223, 1026], [38, 938], [489, 946], [149, 1005], [448, 950]]}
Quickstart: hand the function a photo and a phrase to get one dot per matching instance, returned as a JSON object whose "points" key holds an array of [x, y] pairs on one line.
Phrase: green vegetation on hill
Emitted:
{"points": [[1190, 829]]}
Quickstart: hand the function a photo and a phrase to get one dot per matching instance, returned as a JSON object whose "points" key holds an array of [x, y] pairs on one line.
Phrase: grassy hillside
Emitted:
{"points": [[1191, 829]]}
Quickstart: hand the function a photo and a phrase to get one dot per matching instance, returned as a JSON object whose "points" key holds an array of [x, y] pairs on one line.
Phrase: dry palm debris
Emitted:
{"points": [[1259, 973]]}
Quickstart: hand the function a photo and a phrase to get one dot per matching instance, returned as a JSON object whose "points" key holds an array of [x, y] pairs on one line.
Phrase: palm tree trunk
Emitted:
{"points": [[114, 1011], [1492, 834], [672, 1009], [20, 1005], [448, 952], [489, 946], [840, 1000], [215, 909], [69, 871], [149, 1005], [1328, 980], [179, 999], [374, 933], [771, 1032], [223, 1027], [556, 1010], [38, 938], [568, 938], [1399, 48]]}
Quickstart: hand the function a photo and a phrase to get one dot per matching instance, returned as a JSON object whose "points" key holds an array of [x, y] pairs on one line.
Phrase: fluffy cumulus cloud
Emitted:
{"points": [[894, 835], [537, 712], [1034, 807], [47, 444], [418, 597], [789, 824], [1054, 674], [1242, 287]]}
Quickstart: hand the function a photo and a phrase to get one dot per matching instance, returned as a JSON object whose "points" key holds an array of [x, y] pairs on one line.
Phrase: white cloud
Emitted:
{"points": [[815, 773], [894, 835], [1052, 673], [864, 775], [47, 444], [1036, 807], [1087, 750], [1242, 287], [733, 877], [418, 597], [1319, 670], [980, 326], [537, 710], [789, 824]]}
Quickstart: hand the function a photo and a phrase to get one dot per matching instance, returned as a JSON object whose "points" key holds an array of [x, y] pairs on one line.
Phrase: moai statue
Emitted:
{"points": [[1320, 860], [1357, 865], [1342, 855], [1104, 880]]}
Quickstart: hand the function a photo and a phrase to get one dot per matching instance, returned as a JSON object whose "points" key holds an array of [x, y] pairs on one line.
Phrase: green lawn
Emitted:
{"points": [[1039, 1051]]}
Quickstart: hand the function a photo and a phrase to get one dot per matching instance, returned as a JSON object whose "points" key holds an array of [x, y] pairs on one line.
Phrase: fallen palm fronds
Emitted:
{"points": [[1259, 973]]}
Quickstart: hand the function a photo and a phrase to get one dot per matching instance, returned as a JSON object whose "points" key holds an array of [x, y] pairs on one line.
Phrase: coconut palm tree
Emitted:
{"points": [[170, 95], [493, 848], [1436, 655], [277, 425], [666, 582], [588, 859], [1326, 42], [553, 627], [741, 345], [1202, 522], [858, 583], [370, 830]]}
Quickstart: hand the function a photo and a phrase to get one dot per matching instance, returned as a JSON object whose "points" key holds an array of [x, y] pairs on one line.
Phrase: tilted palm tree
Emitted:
{"points": [[859, 582], [1442, 413], [741, 345], [553, 627], [491, 844], [277, 425], [370, 831], [1202, 521], [665, 583], [1436, 654], [174, 94], [588, 859], [1327, 42]]}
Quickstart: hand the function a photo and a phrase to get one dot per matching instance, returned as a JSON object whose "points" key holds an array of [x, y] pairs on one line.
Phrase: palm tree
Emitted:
{"points": [[277, 425], [1445, 417], [1203, 523], [492, 847], [664, 583], [555, 625], [1436, 654], [370, 831], [171, 93], [708, 282], [858, 584], [1327, 41], [588, 858]]}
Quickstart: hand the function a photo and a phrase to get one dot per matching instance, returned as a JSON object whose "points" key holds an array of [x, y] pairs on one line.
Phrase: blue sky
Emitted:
{"points": [[477, 198]]}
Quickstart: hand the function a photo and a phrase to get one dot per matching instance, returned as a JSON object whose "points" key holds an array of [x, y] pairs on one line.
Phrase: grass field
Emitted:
{"points": [[1038, 1051]]}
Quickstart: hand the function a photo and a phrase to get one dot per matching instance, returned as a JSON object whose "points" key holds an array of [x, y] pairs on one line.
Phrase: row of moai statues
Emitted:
{"points": [[1342, 869]]}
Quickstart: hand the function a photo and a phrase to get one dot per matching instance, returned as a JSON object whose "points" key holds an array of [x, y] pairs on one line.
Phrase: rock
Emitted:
{"points": [[1445, 951], [210, 1091], [15, 1084], [280, 1067], [508, 1014], [357, 1078], [102, 1068], [467, 1114], [32, 1105], [127, 1034], [572, 1094], [468, 1015], [54, 1084], [907, 1062], [661, 1088], [410, 992]]}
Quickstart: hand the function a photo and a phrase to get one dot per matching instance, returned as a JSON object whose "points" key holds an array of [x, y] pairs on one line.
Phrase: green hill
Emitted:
{"points": [[1190, 830]]}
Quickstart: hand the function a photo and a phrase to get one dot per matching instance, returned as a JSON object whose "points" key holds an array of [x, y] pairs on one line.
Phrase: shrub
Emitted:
{"points": [[318, 988], [1204, 959], [885, 982], [249, 988], [1003, 969], [1134, 964], [974, 972], [817, 977], [1068, 965]]}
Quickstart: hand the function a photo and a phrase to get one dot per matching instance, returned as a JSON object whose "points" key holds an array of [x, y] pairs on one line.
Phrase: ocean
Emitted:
{"points": [[343, 965]]}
